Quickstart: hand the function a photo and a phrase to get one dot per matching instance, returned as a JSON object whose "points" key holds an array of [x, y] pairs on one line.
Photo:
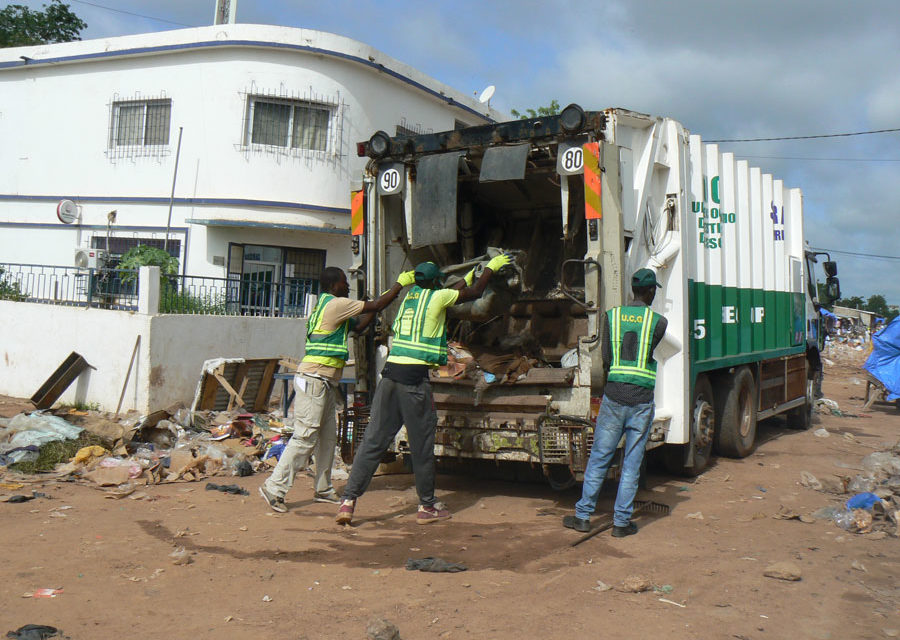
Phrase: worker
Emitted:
{"points": [[630, 334], [403, 395], [315, 384]]}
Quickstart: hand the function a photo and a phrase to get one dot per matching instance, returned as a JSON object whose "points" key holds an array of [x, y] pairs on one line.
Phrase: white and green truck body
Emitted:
{"points": [[584, 199]]}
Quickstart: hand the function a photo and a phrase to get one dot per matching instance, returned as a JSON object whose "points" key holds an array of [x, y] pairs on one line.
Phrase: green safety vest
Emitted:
{"points": [[329, 349], [642, 322], [409, 326]]}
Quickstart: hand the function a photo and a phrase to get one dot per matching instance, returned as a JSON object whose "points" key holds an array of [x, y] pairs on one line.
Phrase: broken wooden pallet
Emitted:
{"points": [[227, 385]]}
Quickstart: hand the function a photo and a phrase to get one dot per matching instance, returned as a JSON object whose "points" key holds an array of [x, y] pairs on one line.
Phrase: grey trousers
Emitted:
{"points": [[393, 406]]}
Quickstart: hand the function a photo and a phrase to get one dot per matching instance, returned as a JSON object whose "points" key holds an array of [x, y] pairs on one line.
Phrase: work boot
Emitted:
{"points": [[345, 512], [579, 524], [427, 515], [628, 530], [275, 503]]}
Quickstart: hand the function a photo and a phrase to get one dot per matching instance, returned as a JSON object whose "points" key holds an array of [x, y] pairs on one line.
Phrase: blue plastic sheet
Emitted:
{"points": [[884, 363]]}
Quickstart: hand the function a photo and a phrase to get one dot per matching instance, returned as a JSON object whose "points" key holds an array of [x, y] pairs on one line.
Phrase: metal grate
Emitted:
{"points": [[99, 288], [292, 123], [565, 440], [139, 126], [351, 428]]}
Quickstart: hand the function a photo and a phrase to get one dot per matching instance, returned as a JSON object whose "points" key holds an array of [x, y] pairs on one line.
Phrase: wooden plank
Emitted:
{"points": [[240, 381], [230, 390], [209, 390], [265, 385]]}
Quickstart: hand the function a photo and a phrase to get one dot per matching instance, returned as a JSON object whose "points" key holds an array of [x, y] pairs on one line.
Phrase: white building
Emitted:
{"points": [[270, 116]]}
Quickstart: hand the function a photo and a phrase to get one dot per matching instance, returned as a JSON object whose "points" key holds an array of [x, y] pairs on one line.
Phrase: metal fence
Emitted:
{"points": [[250, 295], [246, 296], [71, 286]]}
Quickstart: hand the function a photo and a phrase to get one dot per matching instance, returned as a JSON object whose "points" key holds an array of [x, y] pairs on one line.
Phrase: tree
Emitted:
{"points": [[144, 256], [22, 27], [854, 302], [552, 110]]}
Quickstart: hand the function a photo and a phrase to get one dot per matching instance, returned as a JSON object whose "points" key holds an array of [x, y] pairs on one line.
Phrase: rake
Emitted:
{"points": [[641, 506]]}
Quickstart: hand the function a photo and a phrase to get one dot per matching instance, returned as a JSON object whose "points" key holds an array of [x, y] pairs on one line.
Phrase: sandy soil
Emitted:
{"points": [[257, 574]]}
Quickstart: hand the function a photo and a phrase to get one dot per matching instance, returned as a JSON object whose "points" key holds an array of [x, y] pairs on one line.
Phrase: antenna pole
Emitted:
{"points": [[172, 195]]}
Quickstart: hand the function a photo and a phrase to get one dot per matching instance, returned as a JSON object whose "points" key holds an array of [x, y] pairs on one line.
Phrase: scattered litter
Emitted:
{"points": [[181, 556], [602, 586], [821, 432], [227, 488], [698, 515], [34, 632], [267, 598], [434, 565], [783, 571], [810, 481], [865, 500], [381, 629], [666, 589], [859, 566], [43, 593], [677, 604]]}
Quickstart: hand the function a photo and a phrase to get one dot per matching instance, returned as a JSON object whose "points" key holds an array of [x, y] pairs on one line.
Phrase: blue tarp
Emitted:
{"points": [[825, 312], [884, 363]]}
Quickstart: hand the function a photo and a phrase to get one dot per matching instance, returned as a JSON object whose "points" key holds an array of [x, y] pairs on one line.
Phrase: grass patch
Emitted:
{"points": [[81, 406], [53, 453]]}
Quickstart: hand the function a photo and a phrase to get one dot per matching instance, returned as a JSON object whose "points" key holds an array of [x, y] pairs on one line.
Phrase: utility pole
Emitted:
{"points": [[226, 12]]}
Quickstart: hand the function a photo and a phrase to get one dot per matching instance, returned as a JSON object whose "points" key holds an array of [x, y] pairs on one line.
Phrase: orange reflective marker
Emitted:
{"points": [[592, 208], [356, 213]]}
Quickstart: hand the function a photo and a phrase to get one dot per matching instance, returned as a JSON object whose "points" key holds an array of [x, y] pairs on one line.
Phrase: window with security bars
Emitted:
{"points": [[140, 123], [118, 246], [292, 124]]}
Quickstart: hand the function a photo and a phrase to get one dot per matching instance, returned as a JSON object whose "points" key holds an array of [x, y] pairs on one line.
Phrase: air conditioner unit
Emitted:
{"points": [[89, 258]]}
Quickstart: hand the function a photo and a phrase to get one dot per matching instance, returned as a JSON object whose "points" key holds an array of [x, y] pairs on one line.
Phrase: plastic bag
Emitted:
{"points": [[861, 484], [882, 464], [38, 429], [844, 519]]}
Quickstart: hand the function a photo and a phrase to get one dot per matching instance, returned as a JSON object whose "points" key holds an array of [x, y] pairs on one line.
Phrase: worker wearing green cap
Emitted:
{"points": [[403, 395], [629, 336]]}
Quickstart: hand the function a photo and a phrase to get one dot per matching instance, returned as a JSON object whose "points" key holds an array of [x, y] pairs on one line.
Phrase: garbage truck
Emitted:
{"points": [[582, 200]]}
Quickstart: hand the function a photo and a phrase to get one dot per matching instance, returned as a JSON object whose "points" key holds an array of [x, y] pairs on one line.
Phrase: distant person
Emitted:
{"points": [[403, 395], [315, 427], [630, 334]]}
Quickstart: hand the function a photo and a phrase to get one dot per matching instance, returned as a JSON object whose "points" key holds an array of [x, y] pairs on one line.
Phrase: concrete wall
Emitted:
{"points": [[36, 338]]}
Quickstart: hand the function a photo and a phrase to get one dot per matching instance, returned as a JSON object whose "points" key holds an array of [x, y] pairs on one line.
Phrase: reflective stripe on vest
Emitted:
{"points": [[409, 328], [321, 344], [642, 321]]}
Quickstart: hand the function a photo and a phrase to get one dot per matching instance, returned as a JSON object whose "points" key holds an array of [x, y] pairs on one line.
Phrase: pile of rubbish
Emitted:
{"points": [[874, 502], [166, 446]]}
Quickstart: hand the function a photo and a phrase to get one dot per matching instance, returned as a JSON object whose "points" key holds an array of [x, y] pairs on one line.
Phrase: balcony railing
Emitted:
{"points": [[72, 286]]}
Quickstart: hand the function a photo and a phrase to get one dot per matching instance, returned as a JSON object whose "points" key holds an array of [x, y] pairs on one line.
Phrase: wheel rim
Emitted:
{"points": [[704, 422], [746, 418]]}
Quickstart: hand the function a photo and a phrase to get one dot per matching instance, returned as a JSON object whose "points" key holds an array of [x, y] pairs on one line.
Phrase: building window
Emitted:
{"points": [[141, 123], [118, 246], [274, 281], [292, 124]]}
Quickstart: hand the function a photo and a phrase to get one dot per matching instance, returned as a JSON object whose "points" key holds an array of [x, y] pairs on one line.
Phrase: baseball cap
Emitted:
{"points": [[644, 278], [429, 271]]}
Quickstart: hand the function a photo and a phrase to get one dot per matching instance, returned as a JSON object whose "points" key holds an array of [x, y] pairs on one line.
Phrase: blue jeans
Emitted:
{"points": [[613, 420]]}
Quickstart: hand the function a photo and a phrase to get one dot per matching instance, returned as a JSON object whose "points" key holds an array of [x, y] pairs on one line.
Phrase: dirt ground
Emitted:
{"points": [[258, 574]]}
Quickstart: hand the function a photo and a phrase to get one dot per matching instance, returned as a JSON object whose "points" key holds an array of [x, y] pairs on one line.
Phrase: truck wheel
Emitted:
{"points": [[736, 415], [703, 423], [801, 417], [559, 476]]}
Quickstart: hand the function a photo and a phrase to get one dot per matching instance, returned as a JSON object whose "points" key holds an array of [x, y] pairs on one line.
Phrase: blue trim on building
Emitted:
{"points": [[246, 43], [224, 202], [248, 224], [89, 227]]}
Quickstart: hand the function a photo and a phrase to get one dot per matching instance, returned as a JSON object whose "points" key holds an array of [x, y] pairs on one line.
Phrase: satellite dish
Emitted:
{"points": [[487, 94], [67, 211]]}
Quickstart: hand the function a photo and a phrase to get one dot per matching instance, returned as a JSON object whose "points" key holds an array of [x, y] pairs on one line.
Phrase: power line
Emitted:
{"points": [[833, 159], [827, 135], [858, 255], [129, 13]]}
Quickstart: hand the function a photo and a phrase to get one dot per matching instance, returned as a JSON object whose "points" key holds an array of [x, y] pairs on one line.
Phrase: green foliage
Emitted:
{"points": [[551, 110], [173, 301], [876, 304], [144, 256], [9, 290], [22, 27], [54, 453]]}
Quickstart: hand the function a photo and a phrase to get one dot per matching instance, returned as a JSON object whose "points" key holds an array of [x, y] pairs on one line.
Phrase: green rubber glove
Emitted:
{"points": [[407, 278], [498, 262], [469, 277]]}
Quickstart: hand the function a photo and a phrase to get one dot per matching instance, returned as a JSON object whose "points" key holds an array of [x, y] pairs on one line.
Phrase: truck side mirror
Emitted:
{"points": [[830, 268], [832, 289]]}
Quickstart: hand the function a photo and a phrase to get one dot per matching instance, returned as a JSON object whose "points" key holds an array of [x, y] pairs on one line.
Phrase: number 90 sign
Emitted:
{"points": [[570, 158], [390, 180]]}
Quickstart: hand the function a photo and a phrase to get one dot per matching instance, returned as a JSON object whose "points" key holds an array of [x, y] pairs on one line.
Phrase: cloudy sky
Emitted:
{"points": [[724, 68]]}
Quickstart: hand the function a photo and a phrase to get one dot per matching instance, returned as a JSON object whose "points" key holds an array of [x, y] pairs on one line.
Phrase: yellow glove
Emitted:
{"points": [[469, 278], [406, 278], [498, 262]]}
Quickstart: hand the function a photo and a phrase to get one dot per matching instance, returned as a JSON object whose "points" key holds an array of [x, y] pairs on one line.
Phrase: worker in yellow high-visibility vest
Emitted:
{"points": [[327, 330], [403, 395], [629, 336]]}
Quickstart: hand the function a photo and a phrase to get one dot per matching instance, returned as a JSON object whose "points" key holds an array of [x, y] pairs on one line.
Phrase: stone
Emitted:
{"points": [[809, 480], [381, 629], [834, 484], [783, 571], [635, 584]]}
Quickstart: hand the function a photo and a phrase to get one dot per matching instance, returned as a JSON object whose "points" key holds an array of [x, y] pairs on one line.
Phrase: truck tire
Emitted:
{"points": [[703, 422], [801, 417], [736, 414]]}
